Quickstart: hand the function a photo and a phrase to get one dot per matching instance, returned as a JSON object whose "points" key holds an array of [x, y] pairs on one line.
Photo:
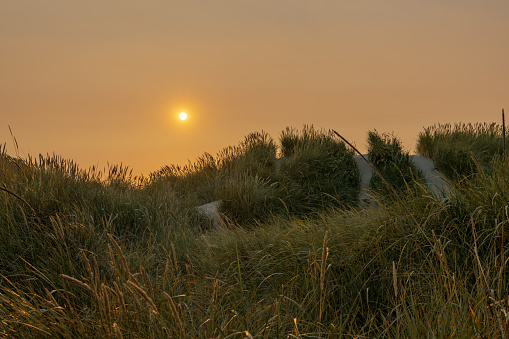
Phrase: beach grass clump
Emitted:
{"points": [[195, 183], [203, 181], [461, 149], [386, 153], [50, 210], [318, 171], [247, 199], [254, 156], [249, 192]]}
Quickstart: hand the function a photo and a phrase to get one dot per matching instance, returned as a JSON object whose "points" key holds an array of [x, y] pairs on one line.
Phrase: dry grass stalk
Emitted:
{"points": [[323, 269], [144, 295], [395, 279], [121, 300], [56, 222], [396, 293], [169, 264], [97, 275], [325, 255], [120, 254], [112, 258], [109, 289], [213, 302], [106, 306], [439, 251], [147, 281], [503, 130], [91, 278], [295, 328], [174, 312], [77, 282], [53, 302], [117, 331]]}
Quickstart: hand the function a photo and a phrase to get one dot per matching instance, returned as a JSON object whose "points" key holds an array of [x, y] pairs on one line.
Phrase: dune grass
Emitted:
{"points": [[316, 172], [386, 153], [461, 149], [89, 254]]}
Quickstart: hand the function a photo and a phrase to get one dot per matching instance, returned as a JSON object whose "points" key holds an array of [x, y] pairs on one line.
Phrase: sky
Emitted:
{"points": [[103, 82]]}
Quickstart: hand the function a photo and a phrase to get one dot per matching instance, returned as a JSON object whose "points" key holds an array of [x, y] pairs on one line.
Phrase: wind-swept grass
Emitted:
{"points": [[456, 148], [72, 266]]}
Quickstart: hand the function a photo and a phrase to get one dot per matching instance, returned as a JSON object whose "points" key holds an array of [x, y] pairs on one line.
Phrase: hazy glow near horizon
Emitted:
{"points": [[104, 82]]}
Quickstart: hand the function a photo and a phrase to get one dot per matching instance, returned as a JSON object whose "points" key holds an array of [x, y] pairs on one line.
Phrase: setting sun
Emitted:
{"points": [[183, 116]]}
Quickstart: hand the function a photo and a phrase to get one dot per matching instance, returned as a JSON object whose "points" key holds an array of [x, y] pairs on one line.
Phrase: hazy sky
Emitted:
{"points": [[104, 81]]}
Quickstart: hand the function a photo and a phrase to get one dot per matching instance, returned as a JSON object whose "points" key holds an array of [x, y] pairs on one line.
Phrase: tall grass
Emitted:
{"points": [[386, 153], [72, 266], [456, 148], [318, 170], [203, 181]]}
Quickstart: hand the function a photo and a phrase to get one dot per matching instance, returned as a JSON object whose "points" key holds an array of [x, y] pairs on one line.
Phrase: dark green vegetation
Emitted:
{"points": [[85, 254], [316, 172], [461, 149], [392, 162]]}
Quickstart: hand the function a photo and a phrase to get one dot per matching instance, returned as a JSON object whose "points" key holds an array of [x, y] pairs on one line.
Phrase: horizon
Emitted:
{"points": [[103, 83]]}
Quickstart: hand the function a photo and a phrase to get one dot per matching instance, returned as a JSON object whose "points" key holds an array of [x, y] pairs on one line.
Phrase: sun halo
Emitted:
{"points": [[183, 116]]}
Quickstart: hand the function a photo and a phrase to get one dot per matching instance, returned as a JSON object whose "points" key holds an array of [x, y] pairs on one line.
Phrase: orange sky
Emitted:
{"points": [[104, 81]]}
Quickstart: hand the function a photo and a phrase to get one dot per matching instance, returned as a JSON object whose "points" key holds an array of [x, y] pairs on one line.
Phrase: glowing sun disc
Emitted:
{"points": [[183, 116]]}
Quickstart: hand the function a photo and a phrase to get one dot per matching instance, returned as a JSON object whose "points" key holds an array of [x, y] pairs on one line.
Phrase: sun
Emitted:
{"points": [[183, 116]]}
